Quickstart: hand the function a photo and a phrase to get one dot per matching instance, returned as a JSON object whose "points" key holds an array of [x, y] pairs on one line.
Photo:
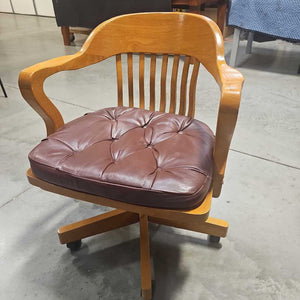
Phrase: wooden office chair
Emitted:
{"points": [[158, 166]]}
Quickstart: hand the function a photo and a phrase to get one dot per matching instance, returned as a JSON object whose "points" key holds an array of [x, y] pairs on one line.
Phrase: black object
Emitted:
{"points": [[90, 13], [72, 37], [3, 89], [74, 246], [213, 239]]}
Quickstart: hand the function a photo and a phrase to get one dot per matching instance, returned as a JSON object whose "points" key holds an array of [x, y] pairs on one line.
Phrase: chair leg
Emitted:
{"points": [[202, 5], [145, 258], [249, 42], [98, 224], [65, 30], [221, 14], [3, 89], [211, 226], [235, 47]]}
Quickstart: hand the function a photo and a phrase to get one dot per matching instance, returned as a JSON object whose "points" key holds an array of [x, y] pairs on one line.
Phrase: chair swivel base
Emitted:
{"points": [[72, 234], [125, 214]]}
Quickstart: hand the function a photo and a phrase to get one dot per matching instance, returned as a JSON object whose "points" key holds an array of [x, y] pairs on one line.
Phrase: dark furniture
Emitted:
{"points": [[196, 6], [90, 13]]}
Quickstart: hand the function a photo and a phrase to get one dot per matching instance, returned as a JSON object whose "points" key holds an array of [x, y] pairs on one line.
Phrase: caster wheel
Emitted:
{"points": [[152, 288], [72, 37], [74, 246], [214, 239]]}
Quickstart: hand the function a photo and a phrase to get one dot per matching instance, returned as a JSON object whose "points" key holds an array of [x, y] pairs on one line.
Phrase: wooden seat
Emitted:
{"points": [[169, 39]]}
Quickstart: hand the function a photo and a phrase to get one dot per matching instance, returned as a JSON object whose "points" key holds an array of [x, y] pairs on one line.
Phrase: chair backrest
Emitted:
{"points": [[185, 37]]}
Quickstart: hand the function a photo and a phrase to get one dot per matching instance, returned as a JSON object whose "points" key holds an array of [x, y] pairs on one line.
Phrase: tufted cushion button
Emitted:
{"points": [[82, 156]]}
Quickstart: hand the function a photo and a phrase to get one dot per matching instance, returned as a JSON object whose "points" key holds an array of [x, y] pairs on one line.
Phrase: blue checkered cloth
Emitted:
{"points": [[278, 18]]}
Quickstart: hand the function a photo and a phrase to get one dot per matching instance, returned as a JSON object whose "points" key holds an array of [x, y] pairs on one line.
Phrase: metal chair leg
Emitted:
{"points": [[3, 89], [235, 47], [249, 42]]}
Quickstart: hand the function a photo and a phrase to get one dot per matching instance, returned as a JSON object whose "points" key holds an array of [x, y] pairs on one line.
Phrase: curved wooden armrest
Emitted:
{"points": [[231, 83], [31, 81]]}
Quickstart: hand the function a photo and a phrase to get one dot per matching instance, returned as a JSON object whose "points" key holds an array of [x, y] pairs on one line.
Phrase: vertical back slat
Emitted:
{"points": [[192, 92], [174, 84], [141, 80], [119, 79], [163, 81], [152, 81], [184, 77], [130, 78]]}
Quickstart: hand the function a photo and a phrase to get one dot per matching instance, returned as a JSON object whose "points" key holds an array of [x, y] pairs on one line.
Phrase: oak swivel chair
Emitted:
{"points": [[152, 162]]}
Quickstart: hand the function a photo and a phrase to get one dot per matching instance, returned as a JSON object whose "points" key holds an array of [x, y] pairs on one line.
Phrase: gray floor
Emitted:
{"points": [[260, 257]]}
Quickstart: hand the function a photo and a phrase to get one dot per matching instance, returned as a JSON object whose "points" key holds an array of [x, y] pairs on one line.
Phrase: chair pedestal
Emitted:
{"points": [[146, 281], [120, 218], [125, 214]]}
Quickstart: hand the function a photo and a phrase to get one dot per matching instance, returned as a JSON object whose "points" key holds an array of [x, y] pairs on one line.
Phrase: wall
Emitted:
{"points": [[28, 7]]}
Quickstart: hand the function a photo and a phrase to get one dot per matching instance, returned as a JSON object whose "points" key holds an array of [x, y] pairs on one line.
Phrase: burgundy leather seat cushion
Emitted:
{"points": [[132, 155]]}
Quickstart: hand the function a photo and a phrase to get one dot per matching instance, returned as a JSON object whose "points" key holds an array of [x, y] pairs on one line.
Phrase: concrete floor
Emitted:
{"points": [[259, 259]]}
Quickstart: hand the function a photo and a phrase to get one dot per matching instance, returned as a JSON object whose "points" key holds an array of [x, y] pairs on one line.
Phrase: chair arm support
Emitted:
{"points": [[31, 81], [231, 84]]}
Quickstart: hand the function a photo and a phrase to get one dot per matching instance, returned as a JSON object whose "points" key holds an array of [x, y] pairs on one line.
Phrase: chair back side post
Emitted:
{"points": [[195, 38]]}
